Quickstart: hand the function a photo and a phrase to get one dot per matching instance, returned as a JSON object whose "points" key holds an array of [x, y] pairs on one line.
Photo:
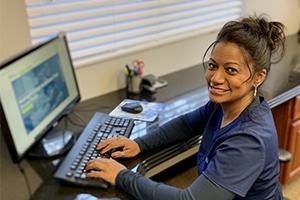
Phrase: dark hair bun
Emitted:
{"points": [[273, 32], [261, 39]]}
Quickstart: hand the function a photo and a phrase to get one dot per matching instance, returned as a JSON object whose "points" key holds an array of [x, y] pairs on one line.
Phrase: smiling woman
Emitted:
{"points": [[238, 155], [230, 83], [240, 59]]}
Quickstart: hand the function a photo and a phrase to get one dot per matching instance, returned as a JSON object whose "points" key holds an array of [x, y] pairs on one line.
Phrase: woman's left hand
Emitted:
{"points": [[104, 168]]}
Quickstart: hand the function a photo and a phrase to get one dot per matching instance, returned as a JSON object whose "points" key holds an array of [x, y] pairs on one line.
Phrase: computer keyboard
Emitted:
{"points": [[100, 127]]}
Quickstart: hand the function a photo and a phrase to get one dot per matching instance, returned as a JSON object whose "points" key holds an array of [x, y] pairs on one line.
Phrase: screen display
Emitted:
{"points": [[36, 89]]}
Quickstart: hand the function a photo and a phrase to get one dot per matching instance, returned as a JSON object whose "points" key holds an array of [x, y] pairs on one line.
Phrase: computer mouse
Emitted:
{"points": [[132, 107]]}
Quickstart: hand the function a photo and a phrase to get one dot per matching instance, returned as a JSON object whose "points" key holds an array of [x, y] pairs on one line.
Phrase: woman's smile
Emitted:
{"points": [[218, 90]]}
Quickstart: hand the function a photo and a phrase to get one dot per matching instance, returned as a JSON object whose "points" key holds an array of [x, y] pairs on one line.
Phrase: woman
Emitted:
{"points": [[238, 156]]}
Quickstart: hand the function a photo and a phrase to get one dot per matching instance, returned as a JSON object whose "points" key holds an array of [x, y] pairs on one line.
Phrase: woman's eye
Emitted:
{"points": [[231, 70], [212, 66]]}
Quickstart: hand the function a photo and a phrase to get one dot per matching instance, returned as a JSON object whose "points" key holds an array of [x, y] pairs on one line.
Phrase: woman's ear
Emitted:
{"points": [[260, 77]]}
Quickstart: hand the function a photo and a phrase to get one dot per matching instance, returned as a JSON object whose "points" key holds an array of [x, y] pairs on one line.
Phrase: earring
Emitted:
{"points": [[255, 91]]}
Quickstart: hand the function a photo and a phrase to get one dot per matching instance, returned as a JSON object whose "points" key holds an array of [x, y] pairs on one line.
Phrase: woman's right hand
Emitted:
{"points": [[130, 147]]}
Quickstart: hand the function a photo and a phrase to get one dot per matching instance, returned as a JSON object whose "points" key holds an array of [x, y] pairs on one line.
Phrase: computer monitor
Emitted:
{"points": [[37, 88]]}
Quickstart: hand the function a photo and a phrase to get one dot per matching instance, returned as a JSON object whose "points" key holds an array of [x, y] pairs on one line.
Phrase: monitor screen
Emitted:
{"points": [[37, 88]]}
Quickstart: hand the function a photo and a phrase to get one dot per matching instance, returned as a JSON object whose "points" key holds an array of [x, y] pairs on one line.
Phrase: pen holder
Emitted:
{"points": [[134, 84]]}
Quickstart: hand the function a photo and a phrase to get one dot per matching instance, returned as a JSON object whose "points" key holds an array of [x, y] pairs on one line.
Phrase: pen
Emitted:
{"points": [[128, 71]]}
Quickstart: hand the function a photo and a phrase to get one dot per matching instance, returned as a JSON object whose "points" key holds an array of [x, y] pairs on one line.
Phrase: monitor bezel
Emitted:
{"points": [[16, 158]]}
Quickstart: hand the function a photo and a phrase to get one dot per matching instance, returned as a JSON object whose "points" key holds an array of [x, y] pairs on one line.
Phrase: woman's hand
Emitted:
{"points": [[130, 147], [104, 168]]}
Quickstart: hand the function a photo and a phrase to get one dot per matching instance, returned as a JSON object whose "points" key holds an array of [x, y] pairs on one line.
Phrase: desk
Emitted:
{"points": [[180, 96]]}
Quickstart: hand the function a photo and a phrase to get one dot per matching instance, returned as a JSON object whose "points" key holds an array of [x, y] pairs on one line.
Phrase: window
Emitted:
{"points": [[98, 30]]}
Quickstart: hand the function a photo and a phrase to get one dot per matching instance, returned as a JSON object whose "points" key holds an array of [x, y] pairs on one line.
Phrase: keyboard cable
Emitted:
{"points": [[84, 123]]}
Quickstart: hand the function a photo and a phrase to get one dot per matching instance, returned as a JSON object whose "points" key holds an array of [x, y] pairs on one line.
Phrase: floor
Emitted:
{"points": [[13, 183], [291, 190]]}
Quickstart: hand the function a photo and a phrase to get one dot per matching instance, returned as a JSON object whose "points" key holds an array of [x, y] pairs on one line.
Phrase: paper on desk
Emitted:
{"points": [[150, 110]]}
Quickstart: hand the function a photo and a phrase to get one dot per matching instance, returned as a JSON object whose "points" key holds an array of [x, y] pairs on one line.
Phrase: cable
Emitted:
{"points": [[88, 108], [80, 117], [26, 180]]}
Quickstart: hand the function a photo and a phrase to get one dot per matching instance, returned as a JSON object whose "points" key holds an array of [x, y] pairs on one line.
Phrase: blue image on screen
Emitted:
{"points": [[39, 91]]}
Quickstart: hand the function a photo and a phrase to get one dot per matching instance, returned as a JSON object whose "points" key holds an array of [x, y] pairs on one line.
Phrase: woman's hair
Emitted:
{"points": [[260, 41]]}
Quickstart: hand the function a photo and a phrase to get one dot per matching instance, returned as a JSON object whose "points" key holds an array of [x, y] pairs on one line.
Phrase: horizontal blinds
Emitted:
{"points": [[98, 30]]}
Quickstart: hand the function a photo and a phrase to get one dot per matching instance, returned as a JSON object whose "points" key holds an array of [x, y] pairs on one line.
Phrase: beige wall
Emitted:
{"points": [[14, 33], [108, 76], [285, 11]]}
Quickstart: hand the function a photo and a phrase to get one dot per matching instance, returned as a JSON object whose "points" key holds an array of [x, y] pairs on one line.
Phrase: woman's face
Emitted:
{"points": [[228, 75]]}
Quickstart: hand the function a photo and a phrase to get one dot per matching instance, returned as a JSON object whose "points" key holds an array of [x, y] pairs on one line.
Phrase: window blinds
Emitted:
{"points": [[98, 30]]}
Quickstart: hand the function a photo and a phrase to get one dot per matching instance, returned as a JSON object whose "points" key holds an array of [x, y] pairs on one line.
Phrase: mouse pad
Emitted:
{"points": [[150, 110]]}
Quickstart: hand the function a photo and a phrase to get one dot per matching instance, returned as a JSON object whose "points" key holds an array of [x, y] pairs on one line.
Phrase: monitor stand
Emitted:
{"points": [[56, 142]]}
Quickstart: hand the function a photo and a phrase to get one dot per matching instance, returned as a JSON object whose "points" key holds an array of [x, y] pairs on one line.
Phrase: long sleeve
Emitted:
{"points": [[181, 128], [239, 159], [143, 188]]}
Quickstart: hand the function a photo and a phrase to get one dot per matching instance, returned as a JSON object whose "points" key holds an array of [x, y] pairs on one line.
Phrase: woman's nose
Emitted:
{"points": [[218, 76]]}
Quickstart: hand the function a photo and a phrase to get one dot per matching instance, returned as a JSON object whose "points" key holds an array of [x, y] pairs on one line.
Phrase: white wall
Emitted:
{"points": [[108, 76], [285, 11]]}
